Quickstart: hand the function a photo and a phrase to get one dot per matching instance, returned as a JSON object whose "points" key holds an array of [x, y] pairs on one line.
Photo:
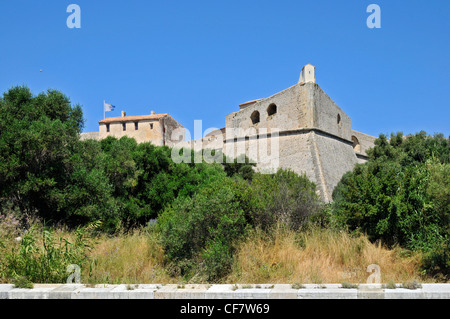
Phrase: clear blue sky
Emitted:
{"points": [[201, 59]]}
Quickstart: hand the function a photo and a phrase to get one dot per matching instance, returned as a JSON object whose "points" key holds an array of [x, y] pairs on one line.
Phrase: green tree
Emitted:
{"points": [[37, 136], [145, 180], [45, 170], [88, 194], [400, 196]]}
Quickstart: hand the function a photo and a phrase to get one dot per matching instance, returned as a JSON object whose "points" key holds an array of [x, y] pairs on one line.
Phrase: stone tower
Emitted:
{"points": [[313, 134]]}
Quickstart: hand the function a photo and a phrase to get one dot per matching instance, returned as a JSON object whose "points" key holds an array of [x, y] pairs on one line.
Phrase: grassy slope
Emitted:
{"points": [[314, 256]]}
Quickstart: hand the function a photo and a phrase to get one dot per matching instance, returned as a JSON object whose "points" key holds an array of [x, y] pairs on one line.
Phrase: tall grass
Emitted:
{"points": [[317, 256], [128, 259], [41, 256], [284, 256]]}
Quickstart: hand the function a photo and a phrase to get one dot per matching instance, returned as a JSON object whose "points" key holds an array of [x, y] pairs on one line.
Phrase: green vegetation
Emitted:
{"points": [[199, 231], [402, 197], [39, 257], [389, 285], [94, 203], [22, 282], [411, 285], [283, 197], [203, 210], [348, 285], [297, 286]]}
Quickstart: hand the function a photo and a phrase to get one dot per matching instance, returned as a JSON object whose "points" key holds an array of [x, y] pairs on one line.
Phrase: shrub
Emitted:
{"points": [[239, 166], [45, 259], [198, 232], [284, 197], [22, 282], [436, 261]]}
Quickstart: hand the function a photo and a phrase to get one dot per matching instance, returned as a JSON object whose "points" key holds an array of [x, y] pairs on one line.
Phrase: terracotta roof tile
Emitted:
{"points": [[133, 118]]}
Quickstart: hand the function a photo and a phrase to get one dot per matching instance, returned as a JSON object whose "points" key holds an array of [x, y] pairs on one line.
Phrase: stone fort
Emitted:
{"points": [[299, 128]]}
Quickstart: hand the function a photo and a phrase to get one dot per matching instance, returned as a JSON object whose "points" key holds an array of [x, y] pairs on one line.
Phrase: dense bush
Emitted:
{"points": [[198, 232], [283, 197], [239, 166], [401, 196]]}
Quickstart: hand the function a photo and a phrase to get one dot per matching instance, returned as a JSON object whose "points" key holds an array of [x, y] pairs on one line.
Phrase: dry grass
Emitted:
{"points": [[128, 259], [318, 256], [314, 256]]}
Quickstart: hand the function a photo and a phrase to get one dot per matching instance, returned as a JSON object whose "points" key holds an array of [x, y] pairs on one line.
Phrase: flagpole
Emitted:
{"points": [[104, 116]]}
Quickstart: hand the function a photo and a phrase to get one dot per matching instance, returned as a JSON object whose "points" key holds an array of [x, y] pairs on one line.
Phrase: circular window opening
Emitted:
{"points": [[272, 109], [255, 117]]}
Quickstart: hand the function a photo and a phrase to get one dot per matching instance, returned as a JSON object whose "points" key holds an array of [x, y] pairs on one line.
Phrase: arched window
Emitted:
{"points": [[272, 109], [356, 145], [339, 122], [255, 117]]}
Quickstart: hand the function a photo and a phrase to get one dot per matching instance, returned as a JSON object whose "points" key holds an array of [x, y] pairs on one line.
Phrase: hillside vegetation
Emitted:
{"points": [[126, 213]]}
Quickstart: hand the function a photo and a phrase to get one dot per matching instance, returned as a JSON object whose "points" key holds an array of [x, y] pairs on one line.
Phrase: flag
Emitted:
{"points": [[108, 107]]}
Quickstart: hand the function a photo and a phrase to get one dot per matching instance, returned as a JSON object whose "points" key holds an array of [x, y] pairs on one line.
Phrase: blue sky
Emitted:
{"points": [[201, 59]]}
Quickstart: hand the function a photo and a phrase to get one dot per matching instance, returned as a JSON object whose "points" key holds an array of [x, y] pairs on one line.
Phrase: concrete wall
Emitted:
{"points": [[159, 132], [225, 291], [300, 106], [326, 114], [144, 133], [334, 157], [174, 131], [90, 136], [294, 110], [365, 141]]}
